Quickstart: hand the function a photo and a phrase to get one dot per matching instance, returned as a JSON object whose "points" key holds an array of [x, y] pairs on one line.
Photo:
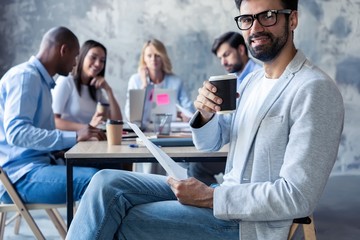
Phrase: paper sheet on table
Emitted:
{"points": [[171, 167]]}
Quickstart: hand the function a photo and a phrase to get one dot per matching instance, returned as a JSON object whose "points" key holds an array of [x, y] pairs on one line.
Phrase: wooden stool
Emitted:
{"points": [[307, 225]]}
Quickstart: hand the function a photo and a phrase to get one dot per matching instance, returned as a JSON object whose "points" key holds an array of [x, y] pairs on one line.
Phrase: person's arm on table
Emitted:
{"points": [[66, 125], [89, 132]]}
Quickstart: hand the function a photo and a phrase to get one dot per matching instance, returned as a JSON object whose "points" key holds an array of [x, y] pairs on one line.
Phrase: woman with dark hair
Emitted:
{"points": [[76, 96]]}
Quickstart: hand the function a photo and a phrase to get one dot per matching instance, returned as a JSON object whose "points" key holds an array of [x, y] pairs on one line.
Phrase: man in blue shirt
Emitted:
{"points": [[27, 128], [232, 52]]}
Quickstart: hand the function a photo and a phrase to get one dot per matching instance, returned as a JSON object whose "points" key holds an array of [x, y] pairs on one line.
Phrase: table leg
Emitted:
{"points": [[69, 192]]}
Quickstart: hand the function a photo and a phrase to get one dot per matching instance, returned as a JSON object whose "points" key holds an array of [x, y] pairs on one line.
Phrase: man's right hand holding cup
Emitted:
{"points": [[218, 95], [207, 103]]}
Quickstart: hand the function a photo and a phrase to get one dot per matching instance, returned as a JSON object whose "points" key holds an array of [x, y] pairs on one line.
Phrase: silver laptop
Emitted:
{"points": [[138, 108], [163, 101], [145, 103]]}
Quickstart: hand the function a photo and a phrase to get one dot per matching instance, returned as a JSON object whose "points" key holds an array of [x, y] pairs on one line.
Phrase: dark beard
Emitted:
{"points": [[236, 68], [267, 53]]}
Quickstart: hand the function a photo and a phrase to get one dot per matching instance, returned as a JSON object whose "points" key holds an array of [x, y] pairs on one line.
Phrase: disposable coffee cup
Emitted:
{"points": [[114, 130], [162, 124], [226, 90], [103, 109]]}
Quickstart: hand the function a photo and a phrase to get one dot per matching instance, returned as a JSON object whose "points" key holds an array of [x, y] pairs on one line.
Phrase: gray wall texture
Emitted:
{"points": [[328, 34]]}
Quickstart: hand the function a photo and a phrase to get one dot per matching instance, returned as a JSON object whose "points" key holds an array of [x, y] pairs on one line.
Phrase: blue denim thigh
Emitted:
{"points": [[173, 220], [47, 184], [108, 198]]}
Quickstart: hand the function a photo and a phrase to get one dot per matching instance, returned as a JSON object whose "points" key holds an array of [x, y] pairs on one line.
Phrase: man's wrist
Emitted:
{"points": [[200, 120]]}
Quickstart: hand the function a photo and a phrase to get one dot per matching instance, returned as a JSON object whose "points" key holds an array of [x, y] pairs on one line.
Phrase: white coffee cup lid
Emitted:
{"points": [[222, 77]]}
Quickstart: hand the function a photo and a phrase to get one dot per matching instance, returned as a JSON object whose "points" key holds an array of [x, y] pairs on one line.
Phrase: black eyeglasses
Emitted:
{"points": [[266, 19]]}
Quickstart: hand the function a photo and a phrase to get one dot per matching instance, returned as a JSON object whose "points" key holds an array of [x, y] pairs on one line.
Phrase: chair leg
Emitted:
{"points": [[309, 230], [32, 224], [2, 224], [293, 229], [17, 224], [60, 219], [58, 222], [17, 219]]}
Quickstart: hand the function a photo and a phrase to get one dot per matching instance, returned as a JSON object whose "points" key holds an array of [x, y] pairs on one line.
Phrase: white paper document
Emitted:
{"points": [[171, 167]]}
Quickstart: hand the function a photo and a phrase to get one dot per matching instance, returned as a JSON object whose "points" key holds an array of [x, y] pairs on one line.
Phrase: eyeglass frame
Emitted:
{"points": [[256, 16]]}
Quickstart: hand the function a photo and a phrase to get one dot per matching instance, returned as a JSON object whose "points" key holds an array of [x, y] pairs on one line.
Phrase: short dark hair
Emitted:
{"points": [[89, 44], [234, 39], [287, 4]]}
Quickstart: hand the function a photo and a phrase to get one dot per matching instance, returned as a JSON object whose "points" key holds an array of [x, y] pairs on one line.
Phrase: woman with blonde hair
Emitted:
{"points": [[155, 68]]}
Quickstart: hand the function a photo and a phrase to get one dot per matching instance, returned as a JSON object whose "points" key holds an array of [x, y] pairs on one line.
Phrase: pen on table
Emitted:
{"points": [[133, 145]]}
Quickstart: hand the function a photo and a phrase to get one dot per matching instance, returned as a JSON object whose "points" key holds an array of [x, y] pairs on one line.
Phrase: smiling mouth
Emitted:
{"points": [[95, 70], [260, 40], [257, 39]]}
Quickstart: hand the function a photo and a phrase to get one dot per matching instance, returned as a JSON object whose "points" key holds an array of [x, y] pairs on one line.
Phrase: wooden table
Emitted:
{"points": [[100, 155]]}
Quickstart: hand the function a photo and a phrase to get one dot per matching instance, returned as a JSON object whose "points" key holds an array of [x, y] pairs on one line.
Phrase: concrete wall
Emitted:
{"points": [[329, 32]]}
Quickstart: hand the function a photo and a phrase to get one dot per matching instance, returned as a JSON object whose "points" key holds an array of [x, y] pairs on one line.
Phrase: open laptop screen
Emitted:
{"points": [[145, 103], [163, 101]]}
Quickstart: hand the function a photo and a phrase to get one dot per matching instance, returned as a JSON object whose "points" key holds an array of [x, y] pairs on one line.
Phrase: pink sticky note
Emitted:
{"points": [[162, 99]]}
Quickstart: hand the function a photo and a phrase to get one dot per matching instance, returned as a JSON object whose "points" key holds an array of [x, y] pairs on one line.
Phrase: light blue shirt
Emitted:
{"points": [[170, 81], [27, 126], [250, 66]]}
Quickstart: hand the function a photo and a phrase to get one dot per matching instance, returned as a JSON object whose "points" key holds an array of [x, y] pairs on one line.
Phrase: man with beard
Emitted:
{"points": [[232, 52], [284, 138]]}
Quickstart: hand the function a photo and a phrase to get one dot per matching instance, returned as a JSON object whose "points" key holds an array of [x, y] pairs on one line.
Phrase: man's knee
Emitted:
{"points": [[107, 179]]}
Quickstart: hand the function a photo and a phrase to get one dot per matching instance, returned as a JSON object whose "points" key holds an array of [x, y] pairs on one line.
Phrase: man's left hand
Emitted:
{"points": [[192, 192]]}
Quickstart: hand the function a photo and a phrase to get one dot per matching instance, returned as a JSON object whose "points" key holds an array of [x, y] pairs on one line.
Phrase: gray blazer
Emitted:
{"points": [[294, 146]]}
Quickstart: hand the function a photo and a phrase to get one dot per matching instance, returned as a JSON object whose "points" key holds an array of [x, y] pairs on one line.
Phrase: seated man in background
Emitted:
{"points": [[27, 129], [284, 138], [232, 52]]}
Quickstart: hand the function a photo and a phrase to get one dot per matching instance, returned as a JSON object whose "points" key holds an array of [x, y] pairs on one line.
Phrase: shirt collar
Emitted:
{"points": [[249, 67], [43, 72]]}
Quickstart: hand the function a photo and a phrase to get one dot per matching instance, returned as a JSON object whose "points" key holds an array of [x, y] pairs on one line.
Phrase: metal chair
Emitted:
{"points": [[308, 227], [23, 211]]}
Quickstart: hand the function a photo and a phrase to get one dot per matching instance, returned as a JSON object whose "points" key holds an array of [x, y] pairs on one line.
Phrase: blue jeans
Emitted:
{"points": [[47, 184], [129, 205]]}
